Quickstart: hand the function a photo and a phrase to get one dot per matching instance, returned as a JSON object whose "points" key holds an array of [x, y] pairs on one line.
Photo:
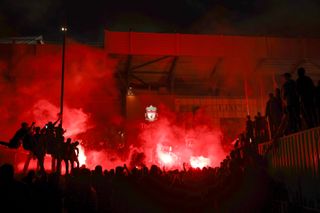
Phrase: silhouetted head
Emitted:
{"points": [[37, 129], [50, 125], [68, 140], [271, 95], [98, 170], [259, 114], [277, 92], [154, 170], [111, 173], [301, 72], [24, 125], [134, 172], [119, 171], [248, 117], [6, 173]]}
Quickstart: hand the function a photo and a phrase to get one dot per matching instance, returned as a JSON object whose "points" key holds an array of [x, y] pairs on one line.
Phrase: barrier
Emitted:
{"points": [[297, 153], [294, 159]]}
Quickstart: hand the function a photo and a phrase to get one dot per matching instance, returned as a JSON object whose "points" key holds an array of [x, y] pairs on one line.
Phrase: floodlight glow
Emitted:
{"points": [[130, 92]]}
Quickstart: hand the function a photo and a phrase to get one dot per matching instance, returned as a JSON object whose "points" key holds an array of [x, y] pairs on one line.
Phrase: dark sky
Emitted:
{"points": [[86, 19]]}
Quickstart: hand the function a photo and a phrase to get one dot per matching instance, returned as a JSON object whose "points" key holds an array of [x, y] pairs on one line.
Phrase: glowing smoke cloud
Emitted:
{"points": [[82, 157], [92, 109], [166, 157], [199, 162], [166, 143], [74, 120]]}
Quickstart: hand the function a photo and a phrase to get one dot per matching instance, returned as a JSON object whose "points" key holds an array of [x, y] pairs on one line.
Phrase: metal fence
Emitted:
{"points": [[297, 153], [294, 159]]}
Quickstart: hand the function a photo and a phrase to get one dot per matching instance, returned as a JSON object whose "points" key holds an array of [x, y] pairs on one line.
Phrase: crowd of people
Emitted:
{"points": [[257, 129], [294, 107], [241, 182], [47, 140]]}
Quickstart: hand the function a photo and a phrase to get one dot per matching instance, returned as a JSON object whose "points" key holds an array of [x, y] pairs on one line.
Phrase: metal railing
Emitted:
{"points": [[298, 153], [294, 159]]}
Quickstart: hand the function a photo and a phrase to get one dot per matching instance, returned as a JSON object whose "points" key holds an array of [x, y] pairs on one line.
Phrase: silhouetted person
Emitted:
{"points": [[59, 139], [306, 90], [265, 128], [28, 144], [52, 146], [277, 94], [291, 100], [74, 153], [14, 195], [19, 136], [243, 141], [80, 195], [249, 129], [39, 149], [273, 114], [257, 129], [67, 153]]}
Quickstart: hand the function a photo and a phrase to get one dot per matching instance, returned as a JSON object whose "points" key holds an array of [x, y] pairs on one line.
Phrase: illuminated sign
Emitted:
{"points": [[151, 113]]}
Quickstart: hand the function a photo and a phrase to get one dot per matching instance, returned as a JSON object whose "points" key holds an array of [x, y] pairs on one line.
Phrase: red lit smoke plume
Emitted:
{"points": [[30, 91]]}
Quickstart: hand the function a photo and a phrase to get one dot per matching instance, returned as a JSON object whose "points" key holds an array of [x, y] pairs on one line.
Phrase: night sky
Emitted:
{"points": [[87, 19]]}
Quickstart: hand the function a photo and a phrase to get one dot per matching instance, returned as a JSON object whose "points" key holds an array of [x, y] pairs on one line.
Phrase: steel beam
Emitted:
{"points": [[151, 72], [171, 74], [150, 62]]}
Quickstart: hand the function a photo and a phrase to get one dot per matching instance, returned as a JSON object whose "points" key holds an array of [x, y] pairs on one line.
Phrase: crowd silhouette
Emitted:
{"points": [[294, 107], [240, 183], [47, 140]]}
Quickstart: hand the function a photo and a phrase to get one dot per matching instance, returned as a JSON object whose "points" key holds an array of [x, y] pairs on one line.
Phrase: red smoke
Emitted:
{"points": [[31, 92], [31, 89], [166, 142]]}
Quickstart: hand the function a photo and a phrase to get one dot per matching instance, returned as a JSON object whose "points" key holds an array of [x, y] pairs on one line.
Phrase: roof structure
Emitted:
{"points": [[202, 64], [22, 40]]}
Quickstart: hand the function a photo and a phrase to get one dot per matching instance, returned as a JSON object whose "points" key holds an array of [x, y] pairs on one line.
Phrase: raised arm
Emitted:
{"points": [[57, 121], [77, 151]]}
